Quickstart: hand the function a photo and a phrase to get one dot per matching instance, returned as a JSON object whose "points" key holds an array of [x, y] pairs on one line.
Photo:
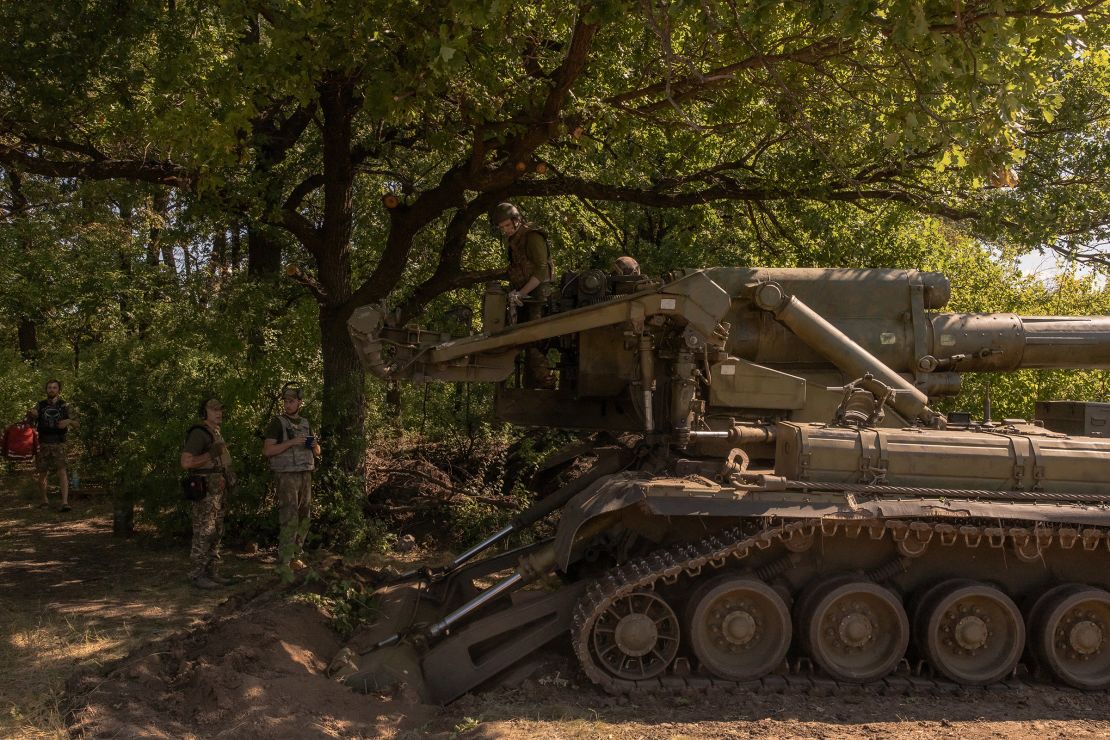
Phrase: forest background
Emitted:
{"points": [[196, 195]]}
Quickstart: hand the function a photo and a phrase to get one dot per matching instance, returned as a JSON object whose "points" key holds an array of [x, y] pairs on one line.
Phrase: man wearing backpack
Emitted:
{"points": [[292, 451], [205, 456], [54, 419]]}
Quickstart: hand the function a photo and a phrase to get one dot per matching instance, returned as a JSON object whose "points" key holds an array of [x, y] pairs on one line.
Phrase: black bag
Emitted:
{"points": [[194, 487]]}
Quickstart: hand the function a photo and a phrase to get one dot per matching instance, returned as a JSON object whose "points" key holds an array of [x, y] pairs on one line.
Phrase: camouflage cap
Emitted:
{"points": [[291, 392]]}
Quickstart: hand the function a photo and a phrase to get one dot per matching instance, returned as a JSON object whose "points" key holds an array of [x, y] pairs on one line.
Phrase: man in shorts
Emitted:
{"points": [[54, 418]]}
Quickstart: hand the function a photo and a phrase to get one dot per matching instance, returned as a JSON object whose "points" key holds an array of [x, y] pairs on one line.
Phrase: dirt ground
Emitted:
{"points": [[101, 637]]}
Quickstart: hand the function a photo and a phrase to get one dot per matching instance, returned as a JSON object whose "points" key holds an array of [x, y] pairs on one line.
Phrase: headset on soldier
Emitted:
{"points": [[202, 409]]}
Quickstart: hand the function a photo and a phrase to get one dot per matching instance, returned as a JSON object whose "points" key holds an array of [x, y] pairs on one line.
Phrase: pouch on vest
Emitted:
{"points": [[194, 487]]}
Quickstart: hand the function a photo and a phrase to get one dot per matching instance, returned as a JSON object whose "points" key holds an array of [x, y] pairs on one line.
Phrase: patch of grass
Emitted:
{"points": [[467, 724], [34, 687]]}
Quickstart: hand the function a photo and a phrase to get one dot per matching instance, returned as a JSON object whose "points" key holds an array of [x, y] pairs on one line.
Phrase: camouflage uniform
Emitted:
{"points": [[293, 480], [530, 257], [208, 513]]}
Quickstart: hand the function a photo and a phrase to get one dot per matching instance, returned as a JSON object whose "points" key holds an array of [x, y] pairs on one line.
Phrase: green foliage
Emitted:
{"points": [[837, 132], [339, 517], [347, 602]]}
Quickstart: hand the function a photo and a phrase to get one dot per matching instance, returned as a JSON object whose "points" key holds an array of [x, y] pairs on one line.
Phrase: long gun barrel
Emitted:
{"points": [[1015, 342]]}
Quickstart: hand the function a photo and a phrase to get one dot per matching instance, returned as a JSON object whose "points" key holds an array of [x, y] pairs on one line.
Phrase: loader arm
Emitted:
{"points": [[416, 355]]}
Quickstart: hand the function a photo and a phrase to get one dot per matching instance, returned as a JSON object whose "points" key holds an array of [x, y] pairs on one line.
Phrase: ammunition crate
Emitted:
{"points": [[1075, 418]]}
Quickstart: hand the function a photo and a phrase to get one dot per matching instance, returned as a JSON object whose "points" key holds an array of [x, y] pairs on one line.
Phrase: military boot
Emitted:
{"points": [[215, 577], [205, 582]]}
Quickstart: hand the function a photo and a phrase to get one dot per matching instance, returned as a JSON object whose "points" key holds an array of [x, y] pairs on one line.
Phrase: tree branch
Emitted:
{"points": [[727, 190], [450, 192], [162, 173]]}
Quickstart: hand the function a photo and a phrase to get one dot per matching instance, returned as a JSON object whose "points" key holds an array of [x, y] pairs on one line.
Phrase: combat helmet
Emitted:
{"points": [[503, 212]]}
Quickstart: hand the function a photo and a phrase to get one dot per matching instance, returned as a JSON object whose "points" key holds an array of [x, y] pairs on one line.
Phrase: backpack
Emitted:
{"points": [[21, 441]]}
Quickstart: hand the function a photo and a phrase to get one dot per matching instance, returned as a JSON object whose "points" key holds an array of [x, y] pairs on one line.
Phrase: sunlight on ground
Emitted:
{"points": [[92, 615]]}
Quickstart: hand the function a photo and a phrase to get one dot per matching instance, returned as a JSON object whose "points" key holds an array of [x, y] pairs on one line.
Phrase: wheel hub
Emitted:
{"points": [[1085, 637], [855, 630], [636, 634], [971, 633], [739, 627]]}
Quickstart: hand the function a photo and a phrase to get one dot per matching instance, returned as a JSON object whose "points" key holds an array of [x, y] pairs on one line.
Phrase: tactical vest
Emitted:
{"points": [[520, 267], [296, 459]]}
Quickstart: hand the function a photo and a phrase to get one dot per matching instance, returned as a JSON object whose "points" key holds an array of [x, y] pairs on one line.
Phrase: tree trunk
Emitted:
{"points": [[219, 251], [344, 412], [160, 204], [236, 246], [28, 338], [123, 515], [263, 251]]}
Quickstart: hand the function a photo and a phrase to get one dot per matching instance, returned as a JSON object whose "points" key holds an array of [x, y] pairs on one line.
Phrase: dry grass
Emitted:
{"points": [[75, 599], [33, 690]]}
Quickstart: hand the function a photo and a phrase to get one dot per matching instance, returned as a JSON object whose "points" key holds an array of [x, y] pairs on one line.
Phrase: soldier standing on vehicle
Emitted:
{"points": [[530, 275], [206, 457], [54, 418], [292, 450]]}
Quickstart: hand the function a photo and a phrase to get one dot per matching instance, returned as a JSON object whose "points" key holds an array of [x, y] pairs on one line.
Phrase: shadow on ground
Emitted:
{"points": [[75, 598]]}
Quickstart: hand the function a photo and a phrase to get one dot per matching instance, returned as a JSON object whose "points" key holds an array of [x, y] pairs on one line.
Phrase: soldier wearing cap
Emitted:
{"points": [[530, 274], [205, 454], [292, 451]]}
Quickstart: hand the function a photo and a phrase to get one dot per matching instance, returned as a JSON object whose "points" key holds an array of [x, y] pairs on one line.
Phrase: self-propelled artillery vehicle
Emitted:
{"points": [[779, 501]]}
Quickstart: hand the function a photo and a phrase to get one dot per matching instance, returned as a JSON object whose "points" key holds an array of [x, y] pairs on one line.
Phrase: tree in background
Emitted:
{"points": [[361, 141]]}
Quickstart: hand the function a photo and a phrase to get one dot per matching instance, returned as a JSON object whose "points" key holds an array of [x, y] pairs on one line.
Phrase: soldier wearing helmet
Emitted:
{"points": [[530, 274], [530, 267]]}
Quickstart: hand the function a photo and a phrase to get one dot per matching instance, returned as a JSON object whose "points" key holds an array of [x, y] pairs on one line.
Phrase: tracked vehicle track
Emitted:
{"points": [[1087, 656]]}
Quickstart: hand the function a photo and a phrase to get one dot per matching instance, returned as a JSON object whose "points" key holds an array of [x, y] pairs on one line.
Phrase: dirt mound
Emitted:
{"points": [[255, 669]]}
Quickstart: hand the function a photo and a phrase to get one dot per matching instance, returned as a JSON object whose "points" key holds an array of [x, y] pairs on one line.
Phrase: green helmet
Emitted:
{"points": [[503, 212]]}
